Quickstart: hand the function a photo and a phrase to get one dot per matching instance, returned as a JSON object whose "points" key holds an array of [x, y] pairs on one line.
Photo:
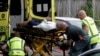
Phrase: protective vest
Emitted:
{"points": [[16, 46], [93, 31]]}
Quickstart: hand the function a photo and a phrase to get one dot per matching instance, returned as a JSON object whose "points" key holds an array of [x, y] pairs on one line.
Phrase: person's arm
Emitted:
{"points": [[48, 18], [69, 39], [26, 49], [25, 23], [4, 46], [69, 42], [85, 28]]}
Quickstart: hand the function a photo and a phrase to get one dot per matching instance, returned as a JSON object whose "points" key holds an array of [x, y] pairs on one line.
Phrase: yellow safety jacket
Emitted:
{"points": [[16, 46], [93, 31]]}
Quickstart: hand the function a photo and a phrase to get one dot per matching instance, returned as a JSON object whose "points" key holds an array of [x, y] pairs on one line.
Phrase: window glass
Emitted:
{"points": [[3, 5], [15, 7], [41, 8]]}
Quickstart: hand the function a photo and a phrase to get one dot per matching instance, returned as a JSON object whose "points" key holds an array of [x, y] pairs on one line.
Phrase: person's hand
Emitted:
{"points": [[48, 18]]}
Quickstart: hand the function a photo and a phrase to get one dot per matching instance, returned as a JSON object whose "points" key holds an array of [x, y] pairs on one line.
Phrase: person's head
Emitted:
{"points": [[61, 25], [82, 14], [16, 32]]}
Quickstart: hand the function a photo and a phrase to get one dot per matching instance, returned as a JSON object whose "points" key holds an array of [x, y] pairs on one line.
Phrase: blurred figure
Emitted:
{"points": [[16, 45], [89, 26], [74, 34], [1, 42]]}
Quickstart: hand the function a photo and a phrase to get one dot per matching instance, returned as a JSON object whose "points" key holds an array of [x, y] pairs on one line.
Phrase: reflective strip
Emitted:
{"points": [[22, 44], [92, 35], [16, 49]]}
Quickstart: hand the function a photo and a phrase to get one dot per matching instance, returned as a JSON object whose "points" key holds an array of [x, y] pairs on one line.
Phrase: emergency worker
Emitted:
{"points": [[76, 35], [89, 26], [16, 45]]}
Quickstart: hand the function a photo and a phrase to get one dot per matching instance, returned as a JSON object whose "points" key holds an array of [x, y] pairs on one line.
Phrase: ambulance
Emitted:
{"points": [[4, 20], [22, 10], [39, 9]]}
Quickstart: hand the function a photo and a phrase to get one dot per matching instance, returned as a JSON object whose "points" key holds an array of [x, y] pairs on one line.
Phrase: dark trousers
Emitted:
{"points": [[93, 45], [80, 46]]}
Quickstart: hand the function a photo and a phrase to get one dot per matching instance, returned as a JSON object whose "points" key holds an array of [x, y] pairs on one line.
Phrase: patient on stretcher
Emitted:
{"points": [[45, 25]]}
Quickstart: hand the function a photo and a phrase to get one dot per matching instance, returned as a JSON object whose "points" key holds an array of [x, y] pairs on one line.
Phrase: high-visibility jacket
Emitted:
{"points": [[93, 31], [16, 46]]}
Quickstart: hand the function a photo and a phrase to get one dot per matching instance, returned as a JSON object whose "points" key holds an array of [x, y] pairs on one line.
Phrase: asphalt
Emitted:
{"points": [[56, 52]]}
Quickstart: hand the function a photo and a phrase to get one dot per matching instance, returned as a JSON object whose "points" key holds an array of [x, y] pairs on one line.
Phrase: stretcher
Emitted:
{"points": [[41, 41]]}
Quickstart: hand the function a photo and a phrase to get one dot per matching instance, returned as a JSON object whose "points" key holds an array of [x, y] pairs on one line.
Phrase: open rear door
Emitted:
{"points": [[4, 19], [39, 9]]}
